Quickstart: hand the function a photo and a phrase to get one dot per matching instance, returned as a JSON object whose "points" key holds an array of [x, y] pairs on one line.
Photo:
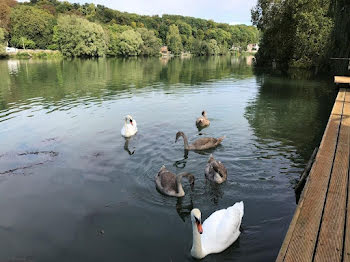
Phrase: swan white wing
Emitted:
{"points": [[221, 229], [129, 130], [135, 126], [123, 131]]}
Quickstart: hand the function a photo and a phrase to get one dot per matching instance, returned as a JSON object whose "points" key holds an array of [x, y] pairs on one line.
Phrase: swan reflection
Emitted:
{"points": [[126, 147]]}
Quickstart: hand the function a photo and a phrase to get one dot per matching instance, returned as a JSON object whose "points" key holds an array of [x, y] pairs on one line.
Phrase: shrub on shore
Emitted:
{"points": [[77, 37]]}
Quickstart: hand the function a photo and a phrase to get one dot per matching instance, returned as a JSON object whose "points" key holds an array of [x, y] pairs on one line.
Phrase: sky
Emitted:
{"points": [[225, 11]]}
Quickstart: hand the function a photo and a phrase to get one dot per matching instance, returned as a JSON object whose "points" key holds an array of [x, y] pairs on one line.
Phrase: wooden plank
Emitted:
{"points": [[342, 80], [287, 239], [346, 252], [330, 240], [285, 245], [303, 240]]}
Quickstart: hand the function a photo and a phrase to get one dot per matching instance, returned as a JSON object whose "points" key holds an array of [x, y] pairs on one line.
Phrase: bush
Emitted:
{"points": [[77, 37], [23, 42]]}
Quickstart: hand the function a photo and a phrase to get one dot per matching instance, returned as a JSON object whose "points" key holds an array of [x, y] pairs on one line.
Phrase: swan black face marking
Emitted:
{"points": [[199, 225]]}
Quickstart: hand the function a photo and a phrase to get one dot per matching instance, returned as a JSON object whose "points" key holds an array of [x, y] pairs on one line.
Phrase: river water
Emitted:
{"points": [[73, 189]]}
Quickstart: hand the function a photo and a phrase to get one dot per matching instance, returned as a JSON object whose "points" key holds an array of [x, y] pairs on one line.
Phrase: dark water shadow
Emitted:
{"points": [[126, 146], [184, 209], [215, 191]]}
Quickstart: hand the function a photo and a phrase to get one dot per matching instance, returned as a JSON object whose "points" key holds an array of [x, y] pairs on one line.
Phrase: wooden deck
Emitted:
{"points": [[342, 80], [320, 228]]}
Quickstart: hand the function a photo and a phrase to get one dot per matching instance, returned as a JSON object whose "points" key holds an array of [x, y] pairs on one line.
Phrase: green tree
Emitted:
{"points": [[200, 48], [26, 43], [213, 48], [176, 31], [200, 34], [2, 42], [77, 37], [184, 28], [113, 44], [189, 43], [295, 33], [312, 38], [33, 24], [115, 28], [151, 44], [130, 43], [174, 40]]}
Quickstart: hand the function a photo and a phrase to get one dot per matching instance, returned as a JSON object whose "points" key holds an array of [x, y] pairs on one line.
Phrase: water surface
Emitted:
{"points": [[73, 189]]}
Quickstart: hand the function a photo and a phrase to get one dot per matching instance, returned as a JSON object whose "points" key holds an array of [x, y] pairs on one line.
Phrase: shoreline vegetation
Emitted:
{"points": [[90, 30], [304, 34], [56, 54], [34, 53]]}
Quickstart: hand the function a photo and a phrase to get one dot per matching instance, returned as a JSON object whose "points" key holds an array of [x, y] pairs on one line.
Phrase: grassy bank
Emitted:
{"points": [[42, 54]]}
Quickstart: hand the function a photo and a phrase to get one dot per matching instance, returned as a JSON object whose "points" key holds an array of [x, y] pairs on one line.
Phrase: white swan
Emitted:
{"points": [[130, 127], [218, 232]]}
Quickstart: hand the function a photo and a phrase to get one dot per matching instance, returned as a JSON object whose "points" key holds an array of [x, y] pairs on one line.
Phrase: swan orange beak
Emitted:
{"points": [[199, 228], [131, 122]]}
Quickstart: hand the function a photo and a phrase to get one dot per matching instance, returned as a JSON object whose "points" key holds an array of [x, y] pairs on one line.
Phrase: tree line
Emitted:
{"points": [[304, 34], [94, 30]]}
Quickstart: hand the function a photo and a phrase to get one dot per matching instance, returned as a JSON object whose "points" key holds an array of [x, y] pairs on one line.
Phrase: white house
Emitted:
{"points": [[11, 50]]}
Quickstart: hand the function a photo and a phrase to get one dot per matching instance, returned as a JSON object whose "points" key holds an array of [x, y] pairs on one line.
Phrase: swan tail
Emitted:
{"points": [[240, 207], [220, 139]]}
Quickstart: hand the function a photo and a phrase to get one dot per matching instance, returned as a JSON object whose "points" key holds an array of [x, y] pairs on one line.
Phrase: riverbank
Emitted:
{"points": [[33, 53], [44, 54]]}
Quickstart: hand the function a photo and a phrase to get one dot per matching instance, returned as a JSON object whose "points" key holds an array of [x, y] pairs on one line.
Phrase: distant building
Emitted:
{"points": [[11, 50], [252, 48], [164, 51]]}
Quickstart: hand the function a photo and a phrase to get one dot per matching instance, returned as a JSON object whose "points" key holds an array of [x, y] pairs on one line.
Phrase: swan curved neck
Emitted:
{"points": [[185, 140], [179, 187], [196, 250]]}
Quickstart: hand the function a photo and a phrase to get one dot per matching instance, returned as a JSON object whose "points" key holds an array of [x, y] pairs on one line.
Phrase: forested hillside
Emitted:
{"points": [[88, 30], [303, 33]]}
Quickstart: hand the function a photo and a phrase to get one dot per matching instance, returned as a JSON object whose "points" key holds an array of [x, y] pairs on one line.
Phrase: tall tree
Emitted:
{"points": [[77, 37], [33, 24], [295, 33], [174, 40], [130, 43], [151, 44]]}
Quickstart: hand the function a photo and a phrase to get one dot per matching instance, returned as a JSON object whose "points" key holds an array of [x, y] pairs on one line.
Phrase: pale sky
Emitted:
{"points": [[226, 11]]}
